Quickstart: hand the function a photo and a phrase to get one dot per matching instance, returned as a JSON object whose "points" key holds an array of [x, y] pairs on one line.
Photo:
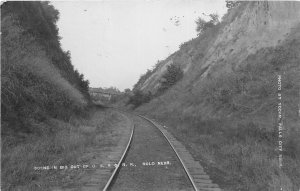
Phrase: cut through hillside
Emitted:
{"points": [[224, 107]]}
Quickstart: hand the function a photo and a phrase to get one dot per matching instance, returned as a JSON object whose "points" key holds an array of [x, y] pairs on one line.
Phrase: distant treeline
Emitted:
{"points": [[38, 79]]}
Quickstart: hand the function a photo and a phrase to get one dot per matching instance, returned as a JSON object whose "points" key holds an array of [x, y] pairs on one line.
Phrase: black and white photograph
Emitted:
{"points": [[150, 95]]}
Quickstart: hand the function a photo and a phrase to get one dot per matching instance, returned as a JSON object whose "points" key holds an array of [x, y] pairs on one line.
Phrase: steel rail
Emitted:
{"points": [[178, 156], [108, 184]]}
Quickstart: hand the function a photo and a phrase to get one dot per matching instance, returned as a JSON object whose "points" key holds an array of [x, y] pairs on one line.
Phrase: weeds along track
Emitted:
{"points": [[113, 175], [199, 179], [154, 160]]}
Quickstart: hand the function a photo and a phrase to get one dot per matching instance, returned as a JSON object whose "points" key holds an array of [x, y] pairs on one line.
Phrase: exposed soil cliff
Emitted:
{"points": [[225, 106], [243, 31]]}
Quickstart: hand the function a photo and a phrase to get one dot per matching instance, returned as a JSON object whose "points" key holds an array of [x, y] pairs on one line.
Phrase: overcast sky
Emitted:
{"points": [[114, 42]]}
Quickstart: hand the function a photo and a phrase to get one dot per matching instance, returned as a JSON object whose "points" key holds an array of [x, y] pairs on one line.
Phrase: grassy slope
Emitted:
{"points": [[45, 113], [41, 94], [38, 79], [229, 121], [65, 144]]}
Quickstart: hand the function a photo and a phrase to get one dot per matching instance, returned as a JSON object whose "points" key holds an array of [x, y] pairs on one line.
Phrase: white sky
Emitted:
{"points": [[113, 42]]}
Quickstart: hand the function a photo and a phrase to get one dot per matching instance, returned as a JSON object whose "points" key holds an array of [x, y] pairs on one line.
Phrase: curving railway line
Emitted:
{"points": [[155, 160]]}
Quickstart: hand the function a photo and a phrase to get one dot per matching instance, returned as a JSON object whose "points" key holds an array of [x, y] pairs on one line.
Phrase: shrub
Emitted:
{"points": [[173, 74], [138, 98], [232, 4], [203, 25]]}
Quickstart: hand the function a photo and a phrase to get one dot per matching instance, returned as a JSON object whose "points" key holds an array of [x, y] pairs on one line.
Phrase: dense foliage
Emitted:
{"points": [[38, 79], [138, 98]]}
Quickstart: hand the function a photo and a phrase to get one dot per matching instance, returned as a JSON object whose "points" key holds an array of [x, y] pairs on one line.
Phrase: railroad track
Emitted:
{"points": [[197, 178], [108, 184]]}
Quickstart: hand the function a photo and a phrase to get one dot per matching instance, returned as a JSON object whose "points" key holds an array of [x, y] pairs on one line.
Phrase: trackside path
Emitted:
{"points": [[150, 164]]}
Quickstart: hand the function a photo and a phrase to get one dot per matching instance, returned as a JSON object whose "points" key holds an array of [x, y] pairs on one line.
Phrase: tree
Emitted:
{"points": [[214, 18], [203, 25], [174, 73], [200, 24], [50, 11], [139, 98], [127, 91], [232, 4]]}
